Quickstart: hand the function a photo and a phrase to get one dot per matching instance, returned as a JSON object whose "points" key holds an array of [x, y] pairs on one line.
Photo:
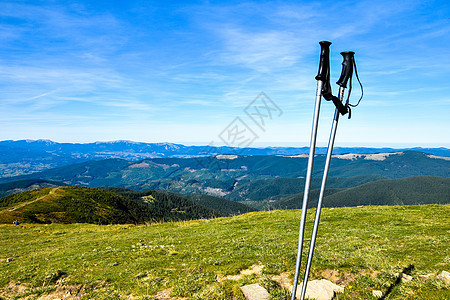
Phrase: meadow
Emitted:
{"points": [[360, 248]]}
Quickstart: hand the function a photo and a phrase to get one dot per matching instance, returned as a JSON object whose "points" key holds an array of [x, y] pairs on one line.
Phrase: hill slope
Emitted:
{"points": [[405, 191], [362, 249], [26, 185], [275, 188], [221, 205], [98, 206]]}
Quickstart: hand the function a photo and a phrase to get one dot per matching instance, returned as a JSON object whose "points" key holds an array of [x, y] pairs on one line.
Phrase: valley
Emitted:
{"points": [[263, 182]]}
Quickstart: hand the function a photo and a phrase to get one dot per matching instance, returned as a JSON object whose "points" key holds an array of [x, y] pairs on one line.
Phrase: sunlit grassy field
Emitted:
{"points": [[364, 247]]}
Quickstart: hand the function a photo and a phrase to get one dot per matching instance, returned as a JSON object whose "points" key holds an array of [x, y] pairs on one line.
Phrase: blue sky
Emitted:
{"points": [[185, 71]]}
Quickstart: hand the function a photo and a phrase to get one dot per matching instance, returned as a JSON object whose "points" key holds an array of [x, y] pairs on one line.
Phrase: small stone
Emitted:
{"points": [[377, 294], [255, 292], [425, 277], [109, 247], [320, 289], [9, 259], [405, 277], [444, 276]]}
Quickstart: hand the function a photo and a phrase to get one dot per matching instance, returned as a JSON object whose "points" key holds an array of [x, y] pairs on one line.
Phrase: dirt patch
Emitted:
{"points": [[343, 278], [66, 292], [13, 289], [284, 280], [255, 269], [346, 279], [370, 273], [340, 278], [59, 291], [163, 295], [331, 275]]}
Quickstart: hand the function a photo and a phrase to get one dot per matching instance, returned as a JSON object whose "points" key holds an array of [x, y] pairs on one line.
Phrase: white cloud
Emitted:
{"points": [[261, 51], [74, 63]]}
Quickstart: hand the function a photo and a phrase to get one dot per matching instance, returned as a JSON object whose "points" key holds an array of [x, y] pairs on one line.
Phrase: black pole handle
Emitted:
{"points": [[324, 62], [347, 68]]}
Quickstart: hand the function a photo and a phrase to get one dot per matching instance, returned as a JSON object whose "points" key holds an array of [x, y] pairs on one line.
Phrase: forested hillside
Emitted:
{"points": [[405, 191], [221, 205], [98, 206]]}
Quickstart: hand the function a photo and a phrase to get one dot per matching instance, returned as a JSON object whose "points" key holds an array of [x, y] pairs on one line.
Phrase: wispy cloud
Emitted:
{"points": [[134, 63], [45, 27], [41, 95], [263, 52], [92, 87]]}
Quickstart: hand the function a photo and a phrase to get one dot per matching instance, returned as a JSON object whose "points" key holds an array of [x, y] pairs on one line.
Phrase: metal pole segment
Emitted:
{"points": [[312, 149], [322, 191]]}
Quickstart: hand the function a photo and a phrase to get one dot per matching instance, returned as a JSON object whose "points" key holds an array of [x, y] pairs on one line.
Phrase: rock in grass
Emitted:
{"points": [[320, 289], [255, 292], [426, 277], [404, 277], [444, 276], [377, 294]]}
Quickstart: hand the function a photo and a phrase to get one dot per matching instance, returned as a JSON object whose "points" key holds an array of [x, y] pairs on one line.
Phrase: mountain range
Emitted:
{"points": [[28, 156], [253, 180]]}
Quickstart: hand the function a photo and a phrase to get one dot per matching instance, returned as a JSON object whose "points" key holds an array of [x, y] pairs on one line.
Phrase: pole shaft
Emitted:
{"points": [[312, 149], [322, 191]]}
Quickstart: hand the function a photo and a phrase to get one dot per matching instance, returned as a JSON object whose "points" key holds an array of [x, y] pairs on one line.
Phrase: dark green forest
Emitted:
{"points": [[221, 205], [98, 206], [404, 191]]}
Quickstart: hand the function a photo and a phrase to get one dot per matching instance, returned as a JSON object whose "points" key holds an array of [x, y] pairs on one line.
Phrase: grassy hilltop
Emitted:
{"points": [[361, 248], [99, 206]]}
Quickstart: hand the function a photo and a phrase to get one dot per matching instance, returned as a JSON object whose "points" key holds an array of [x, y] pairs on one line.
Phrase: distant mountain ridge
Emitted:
{"points": [[241, 178], [28, 156]]}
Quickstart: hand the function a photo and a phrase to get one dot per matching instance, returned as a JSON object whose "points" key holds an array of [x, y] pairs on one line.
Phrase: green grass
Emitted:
{"points": [[367, 245]]}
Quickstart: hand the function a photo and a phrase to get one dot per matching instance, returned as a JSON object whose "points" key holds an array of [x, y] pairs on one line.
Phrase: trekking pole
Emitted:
{"points": [[323, 81], [346, 74]]}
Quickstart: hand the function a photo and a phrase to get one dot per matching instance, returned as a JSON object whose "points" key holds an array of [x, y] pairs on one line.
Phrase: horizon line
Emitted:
{"points": [[201, 144]]}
